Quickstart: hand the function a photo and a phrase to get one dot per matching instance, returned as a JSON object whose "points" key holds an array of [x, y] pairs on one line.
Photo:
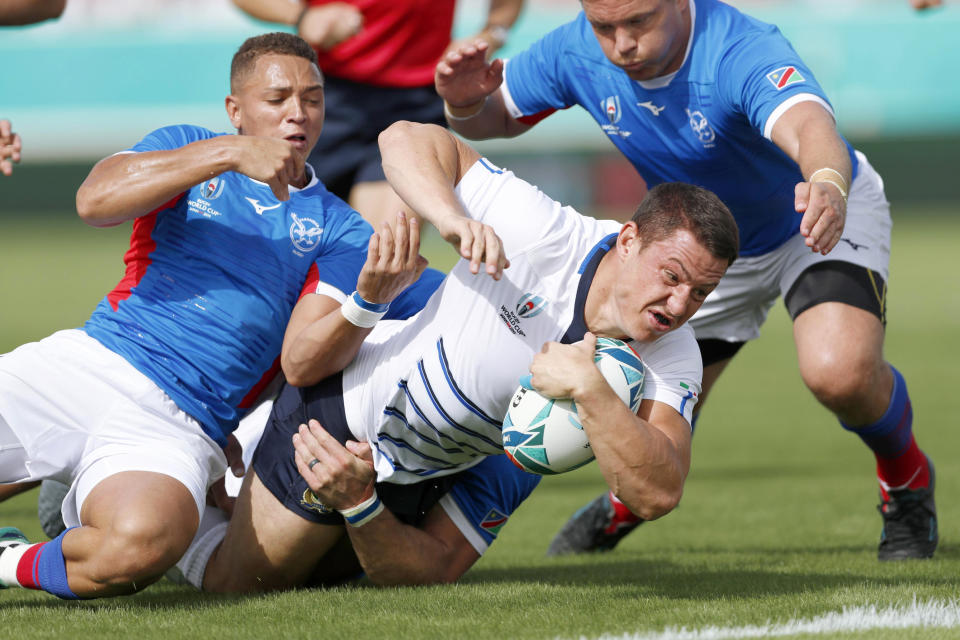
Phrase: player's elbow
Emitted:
{"points": [[397, 135], [654, 504], [89, 205]]}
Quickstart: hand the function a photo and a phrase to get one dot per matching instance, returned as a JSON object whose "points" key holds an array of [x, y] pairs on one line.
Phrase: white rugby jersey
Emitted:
{"points": [[429, 393]]}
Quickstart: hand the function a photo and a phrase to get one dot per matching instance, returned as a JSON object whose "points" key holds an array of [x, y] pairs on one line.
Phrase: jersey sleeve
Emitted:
{"points": [[533, 83], [674, 370], [172, 137], [344, 251], [762, 76], [523, 216], [484, 498]]}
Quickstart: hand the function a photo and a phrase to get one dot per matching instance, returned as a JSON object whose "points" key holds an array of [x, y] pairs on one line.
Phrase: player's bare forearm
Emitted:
{"points": [[423, 163], [319, 341], [394, 553], [18, 12], [126, 186], [279, 11], [645, 460]]}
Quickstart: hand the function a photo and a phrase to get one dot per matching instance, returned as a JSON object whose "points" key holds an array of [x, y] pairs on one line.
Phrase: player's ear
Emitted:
{"points": [[629, 234], [233, 110]]}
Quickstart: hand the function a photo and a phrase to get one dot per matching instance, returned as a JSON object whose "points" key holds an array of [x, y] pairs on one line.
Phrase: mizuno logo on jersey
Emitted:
{"points": [[259, 208], [654, 109], [784, 77], [493, 522]]}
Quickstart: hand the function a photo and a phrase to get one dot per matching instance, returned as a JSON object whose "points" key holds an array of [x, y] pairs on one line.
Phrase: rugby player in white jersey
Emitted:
{"points": [[423, 400]]}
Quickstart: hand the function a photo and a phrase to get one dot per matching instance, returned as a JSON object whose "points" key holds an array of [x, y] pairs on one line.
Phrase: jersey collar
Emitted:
{"points": [[587, 270]]}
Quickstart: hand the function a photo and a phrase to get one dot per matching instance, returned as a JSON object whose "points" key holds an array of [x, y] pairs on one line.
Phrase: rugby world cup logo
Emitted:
{"points": [[212, 188], [530, 305], [611, 107]]}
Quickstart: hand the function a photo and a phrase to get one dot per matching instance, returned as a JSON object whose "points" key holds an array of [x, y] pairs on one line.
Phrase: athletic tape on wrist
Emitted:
{"points": [[361, 313], [364, 512], [450, 116], [842, 185]]}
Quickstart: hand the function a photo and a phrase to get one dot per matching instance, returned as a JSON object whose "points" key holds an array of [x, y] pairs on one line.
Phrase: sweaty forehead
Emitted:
{"points": [[274, 70]]}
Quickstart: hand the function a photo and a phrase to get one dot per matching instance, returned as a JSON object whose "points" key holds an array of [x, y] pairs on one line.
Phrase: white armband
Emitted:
{"points": [[364, 512]]}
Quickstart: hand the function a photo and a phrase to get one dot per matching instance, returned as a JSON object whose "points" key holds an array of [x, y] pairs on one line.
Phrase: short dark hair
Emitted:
{"points": [[677, 205], [277, 42]]}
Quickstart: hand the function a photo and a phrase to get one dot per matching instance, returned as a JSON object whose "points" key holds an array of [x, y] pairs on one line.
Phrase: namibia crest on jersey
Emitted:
{"points": [[784, 77]]}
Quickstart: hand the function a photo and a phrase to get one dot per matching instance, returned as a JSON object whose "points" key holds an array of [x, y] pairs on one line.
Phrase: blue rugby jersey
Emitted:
{"points": [[212, 277], [708, 124]]}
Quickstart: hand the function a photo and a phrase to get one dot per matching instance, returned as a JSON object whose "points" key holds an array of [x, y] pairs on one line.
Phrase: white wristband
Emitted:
{"points": [[361, 313], [450, 116], [364, 512]]}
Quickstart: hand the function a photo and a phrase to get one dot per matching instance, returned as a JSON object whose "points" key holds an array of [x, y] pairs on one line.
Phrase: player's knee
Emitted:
{"points": [[137, 551], [839, 382]]}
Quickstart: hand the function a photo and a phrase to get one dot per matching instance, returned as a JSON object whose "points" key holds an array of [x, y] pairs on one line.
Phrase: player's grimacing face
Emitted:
{"points": [[645, 38], [281, 97], [663, 283]]}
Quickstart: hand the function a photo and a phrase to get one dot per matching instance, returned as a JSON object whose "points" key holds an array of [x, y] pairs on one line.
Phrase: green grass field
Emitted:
{"points": [[778, 521]]}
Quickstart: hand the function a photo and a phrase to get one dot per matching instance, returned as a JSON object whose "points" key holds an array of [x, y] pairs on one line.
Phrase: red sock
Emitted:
{"points": [[909, 470], [621, 515]]}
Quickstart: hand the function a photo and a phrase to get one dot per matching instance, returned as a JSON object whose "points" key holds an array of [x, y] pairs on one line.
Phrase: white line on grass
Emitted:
{"points": [[933, 613]]}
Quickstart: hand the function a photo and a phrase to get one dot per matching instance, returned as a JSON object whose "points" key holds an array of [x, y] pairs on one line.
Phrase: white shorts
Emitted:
{"points": [[736, 309], [74, 411]]}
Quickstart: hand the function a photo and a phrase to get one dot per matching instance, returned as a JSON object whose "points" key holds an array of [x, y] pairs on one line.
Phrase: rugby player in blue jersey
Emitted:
{"points": [[694, 90], [234, 242]]}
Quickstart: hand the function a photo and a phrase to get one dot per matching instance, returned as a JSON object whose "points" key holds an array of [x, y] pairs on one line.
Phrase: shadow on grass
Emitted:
{"points": [[707, 581]]}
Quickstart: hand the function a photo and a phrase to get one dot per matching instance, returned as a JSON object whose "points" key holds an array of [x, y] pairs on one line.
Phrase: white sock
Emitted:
{"points": [[210, 533], [9, 559]]}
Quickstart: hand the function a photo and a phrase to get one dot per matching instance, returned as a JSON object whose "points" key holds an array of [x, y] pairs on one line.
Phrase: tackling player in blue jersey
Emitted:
{"points": [[694, 90], [232, 238]]}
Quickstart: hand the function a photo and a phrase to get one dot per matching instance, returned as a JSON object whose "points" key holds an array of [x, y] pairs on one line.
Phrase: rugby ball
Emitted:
{"points": [[544, 435]]}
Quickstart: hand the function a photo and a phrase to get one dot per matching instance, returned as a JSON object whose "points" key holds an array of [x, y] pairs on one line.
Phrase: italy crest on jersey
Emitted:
{"points": [[784, 77]]}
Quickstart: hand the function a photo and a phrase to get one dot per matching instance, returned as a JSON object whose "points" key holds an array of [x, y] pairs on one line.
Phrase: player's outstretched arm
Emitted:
{"points": [[808, 134], [324, 26], [18, 12], [10, 147], [423, 163], [390, 552], [128, 185], [645, 457], [470, 88], [320, 339]]}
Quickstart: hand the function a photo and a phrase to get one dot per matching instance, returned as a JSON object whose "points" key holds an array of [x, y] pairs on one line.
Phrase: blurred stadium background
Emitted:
{"points": [[109, 71]]}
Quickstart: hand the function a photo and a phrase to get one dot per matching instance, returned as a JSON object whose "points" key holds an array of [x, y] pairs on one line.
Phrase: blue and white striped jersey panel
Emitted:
{"points": [[428, 393]]}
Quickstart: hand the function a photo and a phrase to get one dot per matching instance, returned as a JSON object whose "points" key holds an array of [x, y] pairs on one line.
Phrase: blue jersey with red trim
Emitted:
{"points": [[211, 280], [707, 124]]}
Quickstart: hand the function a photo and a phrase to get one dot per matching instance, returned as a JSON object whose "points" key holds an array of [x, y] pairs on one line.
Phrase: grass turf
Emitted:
{"points": [[777, 522]]}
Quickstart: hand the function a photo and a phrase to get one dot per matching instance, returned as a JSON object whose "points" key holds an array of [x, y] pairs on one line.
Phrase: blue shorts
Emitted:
{"points": [[274, 461], [347, 151]]}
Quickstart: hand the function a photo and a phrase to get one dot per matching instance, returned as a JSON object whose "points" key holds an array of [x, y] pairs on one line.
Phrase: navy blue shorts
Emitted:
{"points": [[275, 465], [347, 151]]}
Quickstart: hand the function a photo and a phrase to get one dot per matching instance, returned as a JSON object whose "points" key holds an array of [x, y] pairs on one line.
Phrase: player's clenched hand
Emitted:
{"points": [[270, 160], [476, 242], [10, 146], [463, 76], [565, 370], [328, 25], [339, 478], [393, 260], [824, 214]]}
